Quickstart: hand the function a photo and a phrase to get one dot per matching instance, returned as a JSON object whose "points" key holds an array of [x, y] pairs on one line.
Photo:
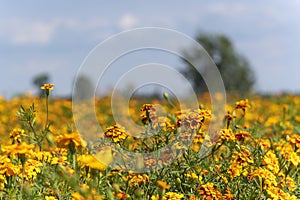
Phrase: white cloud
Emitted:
{"points": [[21, 31], [128, 21], [18, 31]]}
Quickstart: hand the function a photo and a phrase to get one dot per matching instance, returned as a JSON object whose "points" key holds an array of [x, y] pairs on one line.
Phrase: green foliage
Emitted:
{"points": [[233, 67]]}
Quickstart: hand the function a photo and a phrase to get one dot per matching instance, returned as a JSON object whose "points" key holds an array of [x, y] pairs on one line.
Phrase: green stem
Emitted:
{"points": [[46, 112]]}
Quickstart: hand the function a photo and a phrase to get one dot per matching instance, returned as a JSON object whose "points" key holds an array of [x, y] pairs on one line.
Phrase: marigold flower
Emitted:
{"points": [[47, 86], [18, 148], [268, 177], [122, 195], [294, 158], [209, 191], [70, 138], [31, 169], [16, 134], [163, 185], [227, 134], [242, 135], [91, 162], [136, 179], [289, 183], [295, 139], [172, 196], [277, 193], [7, 168], [116, 133], [242, 104], [271, 161], [264, 144]]}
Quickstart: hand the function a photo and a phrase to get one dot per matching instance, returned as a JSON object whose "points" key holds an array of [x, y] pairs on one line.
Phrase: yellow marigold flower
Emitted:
{"points": [[227, 134], [268, 177], [62, 160], [91, 162], [16, 134], [277, 193], [230, 116], [242, 104], [163, 185], [242, 135], [228, 195], [155, 197], [294, 158], [7, 168], [264, 144], [65, 140], [191, 175], [116, 133], [271, 161], [18, 148], [235, 170], [295, 139], [289, 183], [31, 169], [47, 86], [209, 191], [136, 179], [172, 196], [43, 156], [77, 196], [146, 107]]}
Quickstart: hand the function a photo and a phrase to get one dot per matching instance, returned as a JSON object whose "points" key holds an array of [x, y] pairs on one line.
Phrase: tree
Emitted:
{"points": [[233, 67], [83, 88], [40, 80]]}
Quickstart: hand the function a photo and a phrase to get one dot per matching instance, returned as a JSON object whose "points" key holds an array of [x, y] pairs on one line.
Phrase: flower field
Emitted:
{"points": [[256, 155]]}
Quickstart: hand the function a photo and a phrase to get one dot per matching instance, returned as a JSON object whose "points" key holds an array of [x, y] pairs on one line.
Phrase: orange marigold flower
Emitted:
{"points": [[242, 104], [242, 135], [163, 185], [136, 179], [116, 133], [227, 134], [122, 195], [72, 138], [146, 107], [264, 144], [209, 191], [47, 86]]}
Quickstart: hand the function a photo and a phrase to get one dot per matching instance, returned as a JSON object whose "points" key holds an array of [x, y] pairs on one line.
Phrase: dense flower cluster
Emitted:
{"points": [[255, 155]]}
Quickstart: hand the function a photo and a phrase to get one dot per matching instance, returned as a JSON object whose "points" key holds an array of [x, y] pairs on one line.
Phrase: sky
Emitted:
{"points": [[55, 37]]}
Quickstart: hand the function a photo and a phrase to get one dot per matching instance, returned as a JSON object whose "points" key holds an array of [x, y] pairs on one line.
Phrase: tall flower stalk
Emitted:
{"points": [[47, 87]]}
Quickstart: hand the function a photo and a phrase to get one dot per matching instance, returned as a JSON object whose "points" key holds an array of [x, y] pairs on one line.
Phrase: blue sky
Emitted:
{"points": [[55, 36]]}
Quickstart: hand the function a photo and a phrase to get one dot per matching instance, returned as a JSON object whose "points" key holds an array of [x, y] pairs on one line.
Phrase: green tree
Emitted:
{"points": [[40, 80], [83, 88], [235, 70]]}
